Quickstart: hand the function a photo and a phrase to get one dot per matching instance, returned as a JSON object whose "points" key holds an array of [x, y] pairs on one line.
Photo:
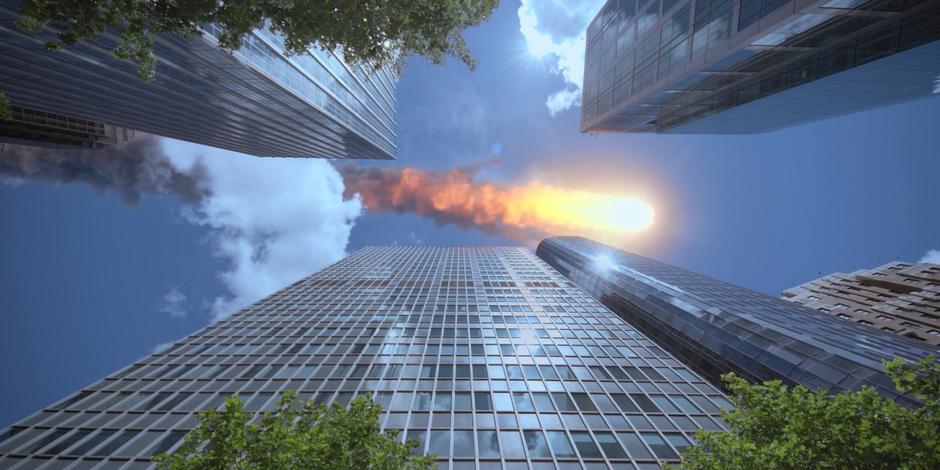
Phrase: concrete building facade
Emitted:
{"points": [[900, 298]]}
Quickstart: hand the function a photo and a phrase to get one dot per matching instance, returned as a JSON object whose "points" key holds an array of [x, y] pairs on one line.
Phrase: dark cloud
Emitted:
{"points": [[129, 169]]}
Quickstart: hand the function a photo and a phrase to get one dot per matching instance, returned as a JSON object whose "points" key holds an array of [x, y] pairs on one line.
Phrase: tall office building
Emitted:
{"points": [[487, 356], [716, 327], [746, 66], [256, 100], [38, 128], [900, 298]]}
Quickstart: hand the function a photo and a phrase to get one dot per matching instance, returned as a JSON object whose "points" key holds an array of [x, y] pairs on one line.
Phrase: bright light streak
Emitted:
{"points": [[576, 210]]}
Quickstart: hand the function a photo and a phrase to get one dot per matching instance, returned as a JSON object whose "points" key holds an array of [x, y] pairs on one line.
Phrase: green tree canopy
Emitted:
{"points": [[302, 437], [372, 32], [773, 427]]}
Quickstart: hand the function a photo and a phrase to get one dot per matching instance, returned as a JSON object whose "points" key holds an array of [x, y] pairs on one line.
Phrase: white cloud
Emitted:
{"points": [[275, 220], [174, 303], [932, 256], [556, 29]]}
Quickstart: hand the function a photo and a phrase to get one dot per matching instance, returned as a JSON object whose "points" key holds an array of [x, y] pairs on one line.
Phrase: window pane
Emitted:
{"points": [[522, 401], [502, 402], [422, 401], [535, 443], [560, 444], [462, 401], [584, 403], [585, 445], [442, 401], [610, 446], [483, 401], [542, 402], [563, 402], [644, 402], [678, 441], [487, 443], [439, 443], [603, 402], [634, 445], [463, 443], [511, 444], [659, 446]]}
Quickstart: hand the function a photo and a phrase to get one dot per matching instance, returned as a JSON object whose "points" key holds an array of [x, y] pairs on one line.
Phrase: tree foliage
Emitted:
{"points": [[309, 436], [773, 427], [372, 32]]}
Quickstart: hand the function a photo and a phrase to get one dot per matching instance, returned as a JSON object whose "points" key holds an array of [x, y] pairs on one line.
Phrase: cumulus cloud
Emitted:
{"points": [[556, 29], [932, 256], [174, 303], [273, 220]]}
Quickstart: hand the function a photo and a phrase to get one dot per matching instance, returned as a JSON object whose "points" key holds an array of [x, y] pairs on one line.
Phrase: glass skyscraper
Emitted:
{"points": [[487, 355], [746, 66], [717, 327], [256, 100]]}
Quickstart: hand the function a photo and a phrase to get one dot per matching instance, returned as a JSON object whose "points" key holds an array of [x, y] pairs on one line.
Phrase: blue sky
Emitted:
{"points": [[85, 277]]}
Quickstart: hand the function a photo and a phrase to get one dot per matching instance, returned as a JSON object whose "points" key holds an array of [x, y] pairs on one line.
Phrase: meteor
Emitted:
{"points": [[519, 211]]}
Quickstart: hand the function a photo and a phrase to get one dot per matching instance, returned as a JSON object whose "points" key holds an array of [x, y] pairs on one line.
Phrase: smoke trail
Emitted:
{"points": [[523, 212], [129, 169], [271, 220]]}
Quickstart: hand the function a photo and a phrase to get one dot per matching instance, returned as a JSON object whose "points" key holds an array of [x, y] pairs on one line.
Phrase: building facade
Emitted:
{"points": [[899, 298], [487, 356], [256, 100], [44, 129], [747, 66], [716, 327]]}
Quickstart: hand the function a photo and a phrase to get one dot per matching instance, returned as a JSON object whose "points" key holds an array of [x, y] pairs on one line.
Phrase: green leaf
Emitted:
{"points": [[294, 436], [776, 427], [373, 33]]}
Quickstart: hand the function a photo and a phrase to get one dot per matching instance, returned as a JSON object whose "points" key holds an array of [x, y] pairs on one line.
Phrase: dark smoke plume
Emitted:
{"points": [[130, 169]]}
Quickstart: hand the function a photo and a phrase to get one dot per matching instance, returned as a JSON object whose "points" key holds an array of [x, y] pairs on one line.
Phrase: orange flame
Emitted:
{"points": [[524, 211]]}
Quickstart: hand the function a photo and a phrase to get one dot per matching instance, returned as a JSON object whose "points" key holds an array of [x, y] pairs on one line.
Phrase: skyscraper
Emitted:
{"points": [[717, 327], [256, 100], [900, 298], [39, 128], [746, 66], [487, 356]]}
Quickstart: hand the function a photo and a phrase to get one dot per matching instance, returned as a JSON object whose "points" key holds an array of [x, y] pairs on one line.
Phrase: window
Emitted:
{"points": [[585, 405], [585, 445], [463, 443], [560, 444], [535, 443], [610, 446], [439, 443], [659, 446], [511, 444]]}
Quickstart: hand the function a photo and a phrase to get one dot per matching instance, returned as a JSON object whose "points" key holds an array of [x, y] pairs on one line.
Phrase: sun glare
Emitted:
{"points": [[586, 211]]}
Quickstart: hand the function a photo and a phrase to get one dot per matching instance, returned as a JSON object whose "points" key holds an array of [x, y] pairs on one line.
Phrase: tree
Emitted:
{"points": [[773, 427], [372, 32], [301, 437]]}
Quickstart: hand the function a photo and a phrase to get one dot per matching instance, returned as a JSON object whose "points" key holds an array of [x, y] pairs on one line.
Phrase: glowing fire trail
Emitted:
{"points": [[524, 211]]}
